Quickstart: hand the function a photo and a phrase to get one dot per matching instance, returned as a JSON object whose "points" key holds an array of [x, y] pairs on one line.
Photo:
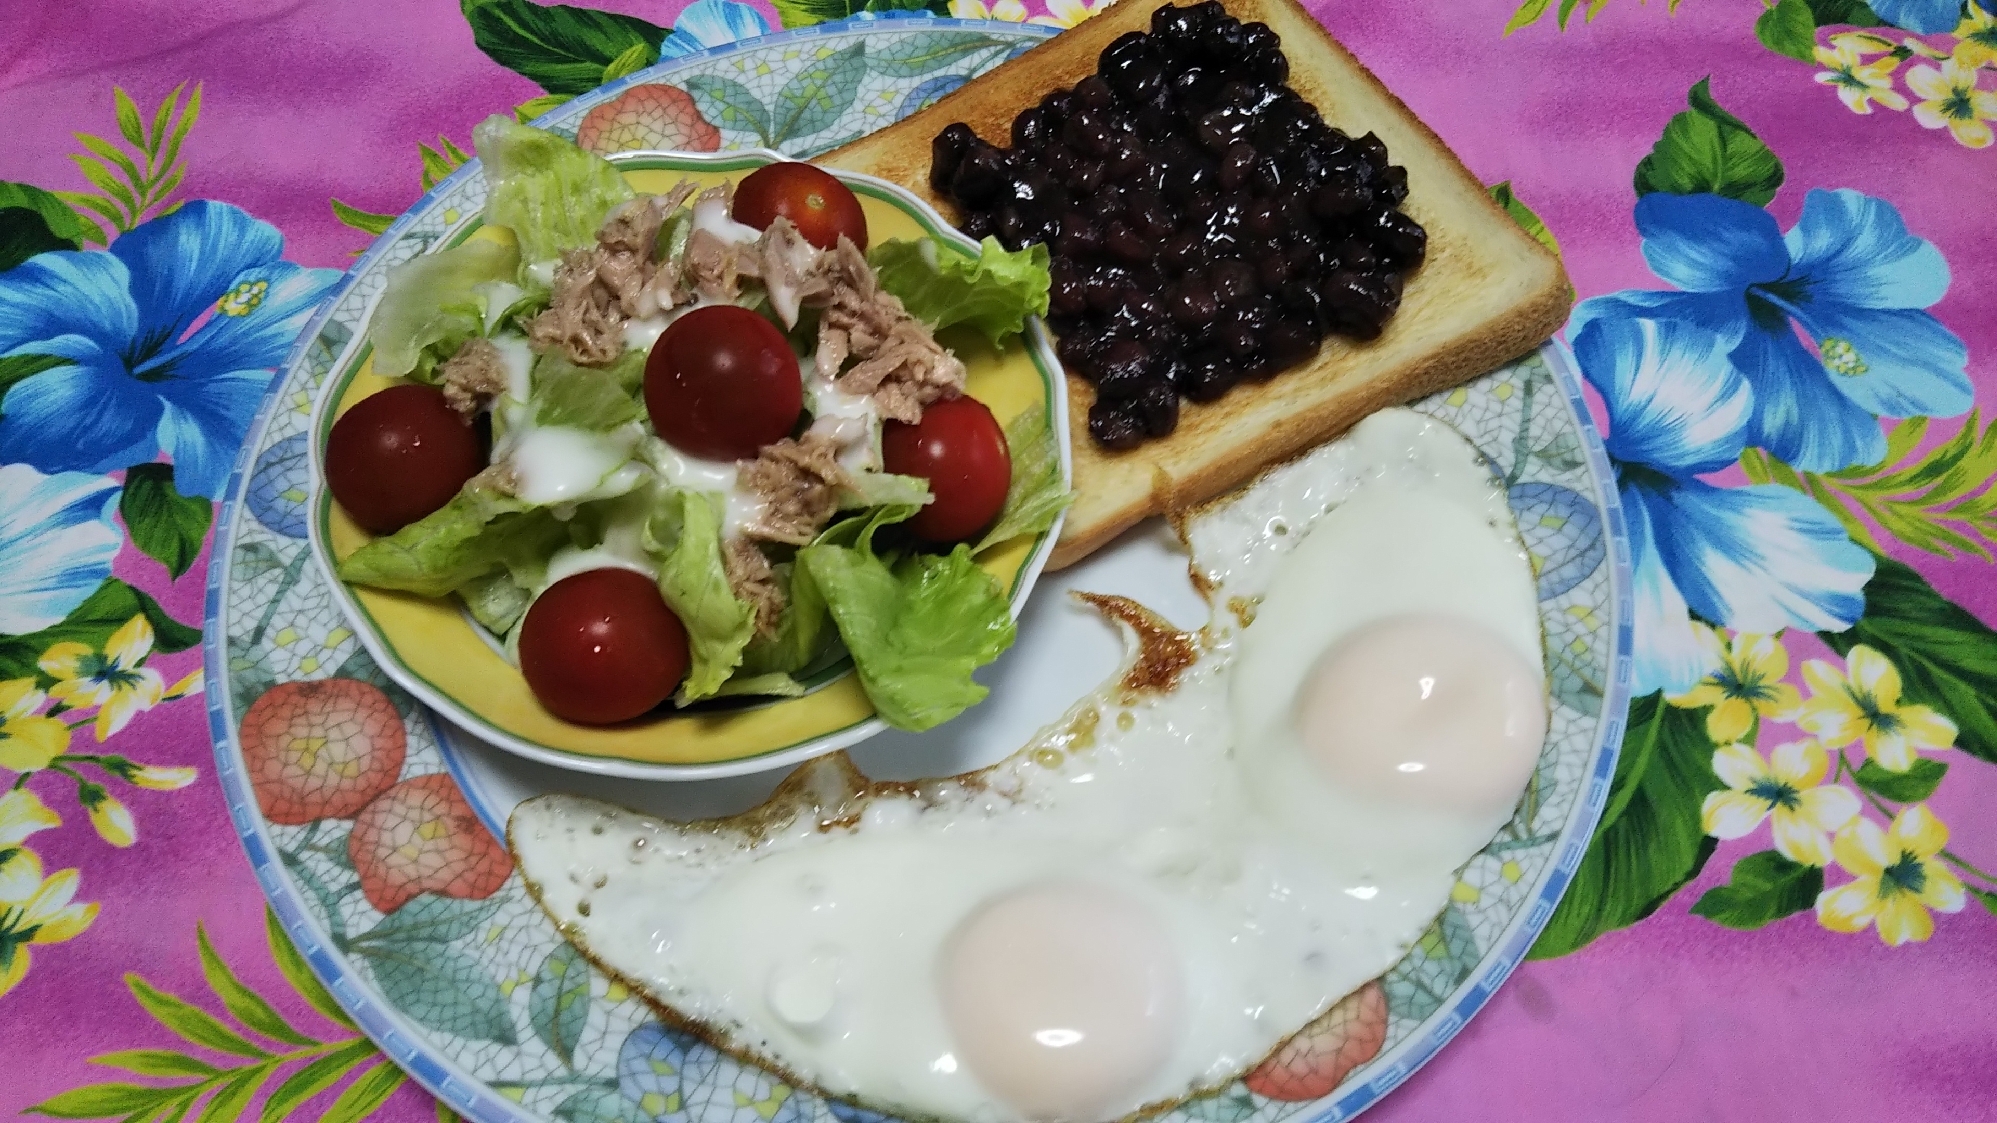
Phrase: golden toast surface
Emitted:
{"points": [[1487, 293]]}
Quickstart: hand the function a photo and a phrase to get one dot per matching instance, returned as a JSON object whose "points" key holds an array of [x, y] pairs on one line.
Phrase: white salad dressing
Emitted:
{"points": [[711, 215], [623, 547], [740, 507], [499, 296], [557, 464], [519, 361], [542, 273]]}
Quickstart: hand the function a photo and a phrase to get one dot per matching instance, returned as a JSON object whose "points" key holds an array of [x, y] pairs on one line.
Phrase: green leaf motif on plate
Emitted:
{"points": [[1708, 150], [804, 13], [912, 55], [1439, 962], [430, 919], [600, 1105], [1230, 1105], [1789, 28], [1947, 658], [1650, 841], [558, 1001], [165, 525], [1764, 888], [91, 623], [730, 105], [816, 97], [1917, 783], [562, 49], [441, 987]]}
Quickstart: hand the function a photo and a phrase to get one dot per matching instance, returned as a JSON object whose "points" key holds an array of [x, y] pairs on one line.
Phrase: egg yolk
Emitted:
{"points": [[1062, 999], [1427, 711]]}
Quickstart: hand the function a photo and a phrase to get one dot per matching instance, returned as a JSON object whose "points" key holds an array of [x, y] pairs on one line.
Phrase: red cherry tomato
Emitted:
{"points": [[822, 207], [399, 455], [960, 449], [601, 647], [721, 383]]}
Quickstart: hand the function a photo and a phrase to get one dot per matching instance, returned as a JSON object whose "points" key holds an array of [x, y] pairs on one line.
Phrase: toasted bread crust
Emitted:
{"points": [[1487, 293]]}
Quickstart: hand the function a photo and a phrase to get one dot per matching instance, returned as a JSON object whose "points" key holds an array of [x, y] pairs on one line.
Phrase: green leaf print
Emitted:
{"points": [[1764, 888], [442, 988], [33, 221], [730, 105], [1789, 28], [562, 49], [804, 13], [1708, 150], [165, 525], [911, 55], [1947, 658], [558, 1001], [1854, 13], [1650, 841], [819, 94], [211, 1093], [1917, 783], [91, 623], [14, 368], [367, 222], [1501, 193]]}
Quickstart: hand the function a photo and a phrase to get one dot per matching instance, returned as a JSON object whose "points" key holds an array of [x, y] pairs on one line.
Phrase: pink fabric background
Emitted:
{"points": [[1675, 1019]]}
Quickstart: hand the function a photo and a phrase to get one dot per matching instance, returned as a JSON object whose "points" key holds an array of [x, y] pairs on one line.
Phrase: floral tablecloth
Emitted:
{"points": [[1779, 216]]}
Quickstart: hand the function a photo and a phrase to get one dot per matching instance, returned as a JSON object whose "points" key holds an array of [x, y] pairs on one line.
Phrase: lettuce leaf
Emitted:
{"points": [[592, 398], [432, 303], [993, 292], [496, 601], [684, 532], [803, 631], [552, 194], [916, 629], [480, 532], [873, 489], [1036, 496]]}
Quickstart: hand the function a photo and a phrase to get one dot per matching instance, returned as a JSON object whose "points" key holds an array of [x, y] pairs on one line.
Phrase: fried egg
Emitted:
{"points": [[1153, 894]]}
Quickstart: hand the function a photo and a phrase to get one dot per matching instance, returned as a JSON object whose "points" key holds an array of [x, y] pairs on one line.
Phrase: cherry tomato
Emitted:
{"points": [[822, 207], [721, 383], [960, 449], [601, 646], [399, 455]]}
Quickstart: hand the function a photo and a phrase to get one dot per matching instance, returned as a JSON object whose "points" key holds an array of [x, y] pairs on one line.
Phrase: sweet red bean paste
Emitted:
{"points": [[1206, 226]]}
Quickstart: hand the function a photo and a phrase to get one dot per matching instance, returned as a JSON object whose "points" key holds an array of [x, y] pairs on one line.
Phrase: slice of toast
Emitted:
{"points": [[1487, 293]]}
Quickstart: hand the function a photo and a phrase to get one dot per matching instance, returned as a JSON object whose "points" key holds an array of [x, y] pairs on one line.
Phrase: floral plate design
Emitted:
{"points": [[372, 827], [434, 649]]}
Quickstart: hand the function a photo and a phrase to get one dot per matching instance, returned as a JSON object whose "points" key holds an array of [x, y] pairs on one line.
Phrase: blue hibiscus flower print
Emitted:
{"points": [[1929, 17], [1758, 559], [1849, 275], [57, 541], [706, 24], [170, 338]]}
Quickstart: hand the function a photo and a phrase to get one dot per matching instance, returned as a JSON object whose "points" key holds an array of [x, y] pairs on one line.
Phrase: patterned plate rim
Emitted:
{"points": [[346, 367], [404, 1043]]}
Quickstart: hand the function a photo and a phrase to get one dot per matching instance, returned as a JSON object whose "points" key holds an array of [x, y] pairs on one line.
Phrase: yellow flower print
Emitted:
{"points": [[111, 817], [1895, 883], [1747, 685], [1976, 38], [1068, 13], [1951, 100], [28, 741], [35, 910], [22, 813], [1859, 83], [160, 778], [1864, 703], [1785, 786], [116, 679], [1011, 11]]}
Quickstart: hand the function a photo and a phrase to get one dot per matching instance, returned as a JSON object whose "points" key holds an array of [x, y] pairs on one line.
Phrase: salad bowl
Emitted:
{"points": [[435, 649]]}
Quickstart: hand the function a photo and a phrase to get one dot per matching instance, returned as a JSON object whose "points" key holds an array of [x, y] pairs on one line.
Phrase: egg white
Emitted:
{"points": [[808, 934]]}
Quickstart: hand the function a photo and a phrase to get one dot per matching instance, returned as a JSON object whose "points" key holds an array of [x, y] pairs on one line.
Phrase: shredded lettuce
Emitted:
{"points": [[552, 194], [874, 489], [592, 398], [916, 629], [684, 533], [993, 292], [434, 302], [480, 532], [1036, 496], [496, 601], [773, 684]]}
